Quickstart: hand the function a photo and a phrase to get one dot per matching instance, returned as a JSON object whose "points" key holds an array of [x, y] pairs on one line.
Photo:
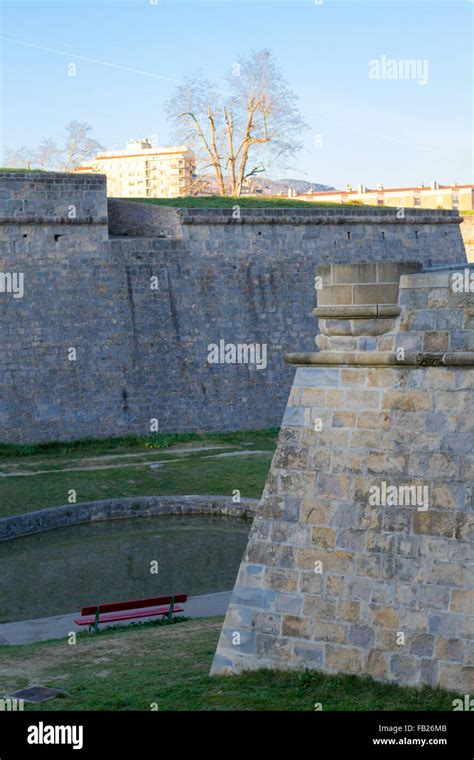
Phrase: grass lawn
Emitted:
{"points": [[244, 201], [121, 467], [131, 669]]}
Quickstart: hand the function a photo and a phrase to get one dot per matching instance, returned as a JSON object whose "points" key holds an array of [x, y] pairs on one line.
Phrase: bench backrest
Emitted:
{"points": [[133, 604]]}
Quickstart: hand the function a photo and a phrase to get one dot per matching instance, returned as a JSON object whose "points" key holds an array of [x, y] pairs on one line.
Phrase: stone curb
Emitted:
{"points": [[109, 509]]}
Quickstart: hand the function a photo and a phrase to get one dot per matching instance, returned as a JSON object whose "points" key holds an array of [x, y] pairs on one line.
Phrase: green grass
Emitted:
{"points": [[119, 445], [194, 473], [192, 476], [171, 670], [12, 169], [244, 201]]}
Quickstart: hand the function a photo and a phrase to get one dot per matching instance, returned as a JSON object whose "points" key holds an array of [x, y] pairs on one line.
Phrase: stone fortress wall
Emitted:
{"points": [[141, 351]]}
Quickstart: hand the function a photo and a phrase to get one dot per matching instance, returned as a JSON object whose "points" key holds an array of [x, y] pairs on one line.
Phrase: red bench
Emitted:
{"points": [[135, 608]]}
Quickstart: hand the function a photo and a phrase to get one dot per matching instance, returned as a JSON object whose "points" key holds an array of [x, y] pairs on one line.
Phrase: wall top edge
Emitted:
{"points": [[390, 211], [380, 359], [45, 176], [271, 218], [61, 220]]}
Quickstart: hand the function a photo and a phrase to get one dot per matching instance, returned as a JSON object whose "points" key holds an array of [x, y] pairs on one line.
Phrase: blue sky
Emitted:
{"points": [[360, 129]]}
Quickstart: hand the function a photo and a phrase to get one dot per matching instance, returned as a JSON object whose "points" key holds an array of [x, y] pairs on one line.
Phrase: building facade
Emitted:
{"points": [[142, 171], [433, 196]]}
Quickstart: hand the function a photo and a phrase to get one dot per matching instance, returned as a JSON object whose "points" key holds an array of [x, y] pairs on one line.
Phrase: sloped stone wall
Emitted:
{"points": [[361, 556]]}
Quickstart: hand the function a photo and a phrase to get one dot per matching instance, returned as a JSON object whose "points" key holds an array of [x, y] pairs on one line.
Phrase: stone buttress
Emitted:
{"points": [[360, 559]]}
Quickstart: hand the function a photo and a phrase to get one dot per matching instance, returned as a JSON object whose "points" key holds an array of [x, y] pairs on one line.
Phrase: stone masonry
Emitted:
{"points": [[142, 353], [361, 555]]}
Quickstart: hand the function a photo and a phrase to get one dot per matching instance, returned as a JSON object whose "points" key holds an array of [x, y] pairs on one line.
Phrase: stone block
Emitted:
{"points": [[463, 601], [361, 636], [449, 649], [296, 627], [280, 579], [334, 632], [324, 538], [385, 617], [319, 608], [377, 664], [421, 645], [456, 678], [342, 659]]}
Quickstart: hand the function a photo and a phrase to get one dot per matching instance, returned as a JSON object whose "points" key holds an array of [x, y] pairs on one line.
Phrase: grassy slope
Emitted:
{"points": [[195, 474], [129, 669], [244, 201]]}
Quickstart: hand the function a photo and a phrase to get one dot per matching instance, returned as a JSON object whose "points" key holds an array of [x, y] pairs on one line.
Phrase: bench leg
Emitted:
{"points": [[96, 621]]}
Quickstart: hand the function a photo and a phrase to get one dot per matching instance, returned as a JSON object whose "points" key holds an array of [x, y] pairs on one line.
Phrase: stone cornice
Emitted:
{"points": [[380, 359], [88, 220], [371, 311], [297, 216]]}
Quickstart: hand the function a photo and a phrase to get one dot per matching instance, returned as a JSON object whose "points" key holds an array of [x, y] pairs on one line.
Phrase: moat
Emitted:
{"points": [[58, 571]]}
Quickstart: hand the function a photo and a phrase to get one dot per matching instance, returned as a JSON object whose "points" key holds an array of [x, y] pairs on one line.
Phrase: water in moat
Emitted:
{"points": [[58, 571]]}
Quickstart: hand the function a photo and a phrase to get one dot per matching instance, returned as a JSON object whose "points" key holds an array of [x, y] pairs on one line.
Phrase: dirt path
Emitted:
{"points": [[90, 464]]}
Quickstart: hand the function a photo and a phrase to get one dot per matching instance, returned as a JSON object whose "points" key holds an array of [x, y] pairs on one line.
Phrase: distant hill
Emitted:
{"points": [[280, 186], [266, 186]]}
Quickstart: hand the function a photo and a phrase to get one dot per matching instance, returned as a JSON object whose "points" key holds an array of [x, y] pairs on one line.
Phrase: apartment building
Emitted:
{"points": [[142, 171], [430, 196]]}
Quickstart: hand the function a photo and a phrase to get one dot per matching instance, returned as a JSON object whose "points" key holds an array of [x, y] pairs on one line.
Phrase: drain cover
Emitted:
{"points": [[35, 694]]}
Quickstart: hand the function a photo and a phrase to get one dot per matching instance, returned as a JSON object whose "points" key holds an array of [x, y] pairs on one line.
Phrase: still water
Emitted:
{"points": [[59, 571]]}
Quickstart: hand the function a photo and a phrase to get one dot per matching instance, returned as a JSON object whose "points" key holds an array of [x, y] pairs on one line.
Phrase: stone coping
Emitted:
{"points": [[189, 216], [110, 509], [381, 359], [62, 220], [45, 176], [371, 311]]}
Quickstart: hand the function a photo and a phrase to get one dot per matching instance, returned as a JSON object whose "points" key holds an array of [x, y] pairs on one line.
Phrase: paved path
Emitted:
{"points": [[29, 631]]}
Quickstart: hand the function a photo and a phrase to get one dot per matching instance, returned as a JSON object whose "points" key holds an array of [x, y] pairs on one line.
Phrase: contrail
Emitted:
{"points": [[89, 60]]}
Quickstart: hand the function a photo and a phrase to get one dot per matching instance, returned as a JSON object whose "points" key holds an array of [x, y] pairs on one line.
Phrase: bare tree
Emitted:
{"points": [[19, 158], [46, 154], [241, 132], [78, 147]]}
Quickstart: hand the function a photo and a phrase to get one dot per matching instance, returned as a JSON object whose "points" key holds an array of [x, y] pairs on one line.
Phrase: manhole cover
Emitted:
{"points": [[35, 694]]}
